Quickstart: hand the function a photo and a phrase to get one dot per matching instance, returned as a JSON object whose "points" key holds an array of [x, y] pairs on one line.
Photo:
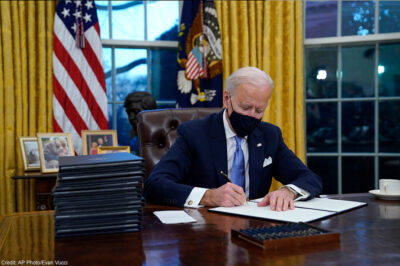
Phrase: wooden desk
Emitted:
{"points": [[369, 236], [44, 184]]}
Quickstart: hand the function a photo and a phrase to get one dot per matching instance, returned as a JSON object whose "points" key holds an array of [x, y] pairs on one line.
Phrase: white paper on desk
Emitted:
{"points": [[296, 215], [325, 204], [174, 217]]}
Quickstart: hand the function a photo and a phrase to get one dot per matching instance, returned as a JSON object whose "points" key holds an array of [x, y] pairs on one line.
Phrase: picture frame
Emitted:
{"points": [[92, 139], [52, 146], [108, 149], [30, 153]]}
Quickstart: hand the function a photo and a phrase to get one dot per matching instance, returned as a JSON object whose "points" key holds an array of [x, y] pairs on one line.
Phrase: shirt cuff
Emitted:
{"points": [[301, 194], [194, 197]]}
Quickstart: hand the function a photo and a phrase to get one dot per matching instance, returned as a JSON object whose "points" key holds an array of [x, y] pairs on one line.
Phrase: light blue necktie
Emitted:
{"points": [[237, 174]]}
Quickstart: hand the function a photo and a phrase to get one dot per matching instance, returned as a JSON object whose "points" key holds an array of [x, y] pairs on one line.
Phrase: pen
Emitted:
{"points": [[228, 180], [226, 176]]}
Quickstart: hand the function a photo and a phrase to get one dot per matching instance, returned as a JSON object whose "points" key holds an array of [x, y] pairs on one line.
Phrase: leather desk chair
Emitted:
{"points": [[157, 131]]}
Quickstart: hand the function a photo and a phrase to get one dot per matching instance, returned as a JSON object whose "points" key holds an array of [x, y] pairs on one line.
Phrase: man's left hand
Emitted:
{"points": [[279, 200]]}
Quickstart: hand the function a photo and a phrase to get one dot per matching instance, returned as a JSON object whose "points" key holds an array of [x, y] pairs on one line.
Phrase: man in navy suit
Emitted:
{"points": [[232, 145]]}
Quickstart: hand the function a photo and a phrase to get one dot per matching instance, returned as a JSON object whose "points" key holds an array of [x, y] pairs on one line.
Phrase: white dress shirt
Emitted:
{"points": [[197, 193]]}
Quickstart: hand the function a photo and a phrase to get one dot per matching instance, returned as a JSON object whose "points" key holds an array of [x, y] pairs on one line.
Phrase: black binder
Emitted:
{"points": [[99, 194], [99, 163]]}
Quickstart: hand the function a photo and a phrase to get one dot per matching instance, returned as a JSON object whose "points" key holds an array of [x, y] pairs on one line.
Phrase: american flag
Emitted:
{"points": [[195, 64], [80, 99], [199, 76]]}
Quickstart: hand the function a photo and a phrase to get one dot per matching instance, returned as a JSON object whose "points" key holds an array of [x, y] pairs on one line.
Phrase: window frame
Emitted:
{"points": [[342, 41]]}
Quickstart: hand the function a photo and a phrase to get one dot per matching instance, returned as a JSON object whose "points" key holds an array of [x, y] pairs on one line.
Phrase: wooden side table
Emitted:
{"points": [[44, 184]]}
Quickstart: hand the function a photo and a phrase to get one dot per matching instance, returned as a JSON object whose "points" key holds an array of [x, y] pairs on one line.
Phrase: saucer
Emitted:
{"points": [[380, 195]]}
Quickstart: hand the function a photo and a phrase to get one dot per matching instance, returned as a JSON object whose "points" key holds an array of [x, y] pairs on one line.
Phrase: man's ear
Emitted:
{"points": [[225, 98]]}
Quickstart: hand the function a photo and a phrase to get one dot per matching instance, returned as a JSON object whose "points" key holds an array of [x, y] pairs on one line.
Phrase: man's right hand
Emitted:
{"points": [[227, 195]]}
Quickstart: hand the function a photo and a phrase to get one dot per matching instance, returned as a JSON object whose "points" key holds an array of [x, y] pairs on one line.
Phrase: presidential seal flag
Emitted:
{"points": [[199, 56], [80, 99]]}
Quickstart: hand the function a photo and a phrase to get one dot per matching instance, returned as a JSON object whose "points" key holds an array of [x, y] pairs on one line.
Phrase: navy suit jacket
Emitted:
{"points": [[199, 154]]}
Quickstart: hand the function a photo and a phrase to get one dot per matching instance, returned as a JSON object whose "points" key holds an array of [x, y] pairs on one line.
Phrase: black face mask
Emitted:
{"points": [[243, 124]]}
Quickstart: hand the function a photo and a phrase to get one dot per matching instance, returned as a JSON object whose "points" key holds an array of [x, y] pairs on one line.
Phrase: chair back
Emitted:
{"points": [[157, 131]]}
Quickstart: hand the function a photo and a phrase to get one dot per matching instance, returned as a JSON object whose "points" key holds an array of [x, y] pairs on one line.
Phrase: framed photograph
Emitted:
{"points": [[30, 153], [105, 149], [92, 139], [52, 146]]}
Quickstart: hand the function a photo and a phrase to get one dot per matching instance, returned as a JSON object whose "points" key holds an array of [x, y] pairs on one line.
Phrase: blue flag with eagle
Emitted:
{"points": [[199, 56]]}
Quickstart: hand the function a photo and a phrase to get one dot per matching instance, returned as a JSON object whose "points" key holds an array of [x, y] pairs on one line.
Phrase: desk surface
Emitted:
{"points": [[369, 236]]}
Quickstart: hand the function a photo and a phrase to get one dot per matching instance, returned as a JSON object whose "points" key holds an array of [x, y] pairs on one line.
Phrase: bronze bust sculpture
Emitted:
{"points": [[136, 102]]}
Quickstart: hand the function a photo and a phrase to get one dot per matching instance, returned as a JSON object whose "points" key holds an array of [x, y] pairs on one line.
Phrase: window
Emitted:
{"points": [[139, 54], [352, 92]]}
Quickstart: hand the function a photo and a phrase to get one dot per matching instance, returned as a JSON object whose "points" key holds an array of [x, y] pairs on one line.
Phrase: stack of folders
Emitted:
{"points": [[98, 194]]}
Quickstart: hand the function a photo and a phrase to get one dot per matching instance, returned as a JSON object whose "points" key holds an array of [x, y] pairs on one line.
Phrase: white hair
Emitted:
{"points": [[248, 75]]}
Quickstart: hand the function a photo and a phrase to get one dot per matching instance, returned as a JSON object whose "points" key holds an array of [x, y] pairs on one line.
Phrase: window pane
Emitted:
{"points": [[162, 20], [322, 127], [131, 68], [110, 116], [321, 19], [389, 168], [389, 126], [358, 71], [321, 68], [389, 16], [127, 20], [358, 17], [102, 15], [358, 126], [358, 174], [107, 67], [163, 73], [123, 126], [389, 69], [326, 168]]}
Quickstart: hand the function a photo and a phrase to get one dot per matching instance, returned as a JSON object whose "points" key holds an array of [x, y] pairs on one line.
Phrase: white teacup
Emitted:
{"points": [[389, 186]]}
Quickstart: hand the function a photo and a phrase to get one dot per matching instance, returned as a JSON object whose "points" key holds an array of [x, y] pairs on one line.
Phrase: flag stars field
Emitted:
{"points": [[87, 17], [89, 5], [65, 12], [77, 14]]}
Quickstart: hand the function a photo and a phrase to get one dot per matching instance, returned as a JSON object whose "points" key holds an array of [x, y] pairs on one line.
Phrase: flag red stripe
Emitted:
{"points": [[97, 28], [91, 58], [192, 67], [193, 72], [80, 82], [56, 126], [190, 71], [68, 107], [61, 74]]}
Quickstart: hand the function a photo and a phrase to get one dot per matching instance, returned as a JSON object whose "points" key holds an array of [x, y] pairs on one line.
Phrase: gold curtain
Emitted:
{"points": [[26, 87], [269, 35]]}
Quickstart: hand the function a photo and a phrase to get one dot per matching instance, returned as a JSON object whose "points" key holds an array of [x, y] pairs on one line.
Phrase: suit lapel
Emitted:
{"points": [[218, 142], [256, 144]]}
